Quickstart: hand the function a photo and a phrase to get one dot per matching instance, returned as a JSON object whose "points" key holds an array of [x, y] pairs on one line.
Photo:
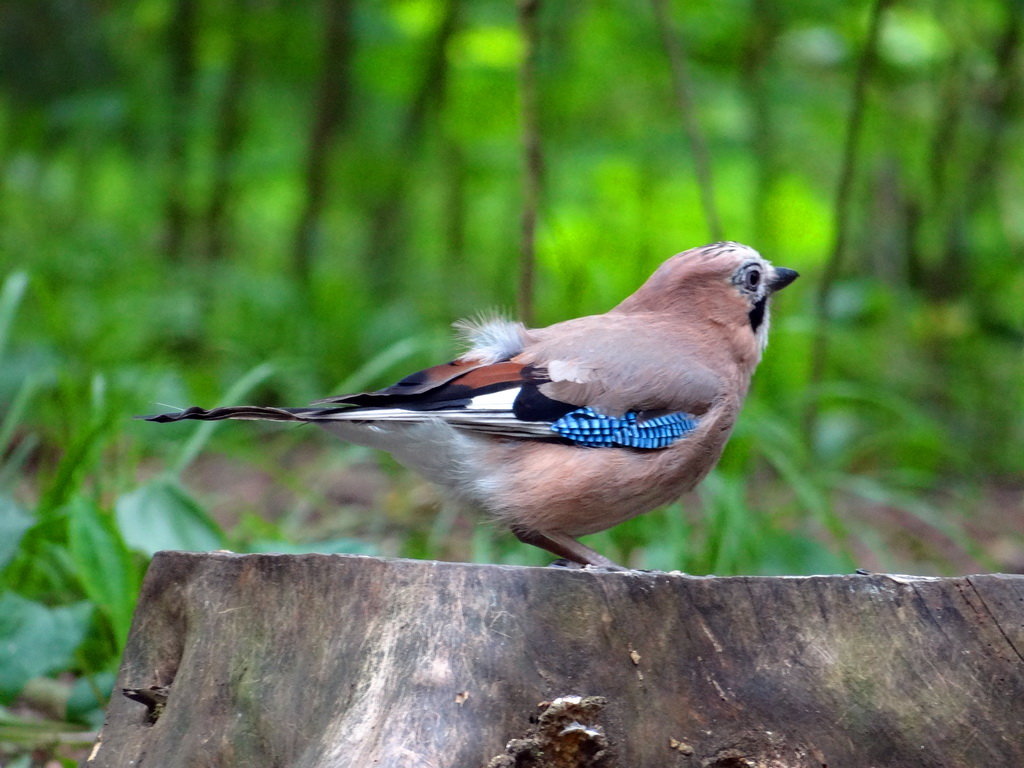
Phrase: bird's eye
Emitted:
{"points": [[752, 279]]}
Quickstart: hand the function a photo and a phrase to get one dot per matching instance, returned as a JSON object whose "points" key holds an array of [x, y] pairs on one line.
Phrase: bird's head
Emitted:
{"points": [[726, 284]]}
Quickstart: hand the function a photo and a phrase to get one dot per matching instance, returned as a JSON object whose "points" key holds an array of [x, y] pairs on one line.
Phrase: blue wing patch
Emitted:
{"points": [[585, 426]]}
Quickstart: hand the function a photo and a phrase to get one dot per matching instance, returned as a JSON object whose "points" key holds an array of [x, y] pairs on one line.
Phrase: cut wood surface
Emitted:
{"points": [[333, 660]]}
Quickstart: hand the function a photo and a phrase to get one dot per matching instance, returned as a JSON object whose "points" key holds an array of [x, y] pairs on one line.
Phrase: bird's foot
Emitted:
{"points": [[564, 562], [574, 566]]}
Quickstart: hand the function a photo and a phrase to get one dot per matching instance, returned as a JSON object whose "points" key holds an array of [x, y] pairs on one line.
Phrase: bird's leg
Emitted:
{"points": [[566, 546]]}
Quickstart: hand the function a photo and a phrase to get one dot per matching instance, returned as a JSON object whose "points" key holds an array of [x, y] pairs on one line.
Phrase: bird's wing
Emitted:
{"points": [[466, 394], [414, 384], [616, 364], [590, 386]]}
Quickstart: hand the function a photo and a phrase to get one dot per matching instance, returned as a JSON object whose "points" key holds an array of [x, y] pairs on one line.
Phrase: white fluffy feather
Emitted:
{"points": [[491, 339]]}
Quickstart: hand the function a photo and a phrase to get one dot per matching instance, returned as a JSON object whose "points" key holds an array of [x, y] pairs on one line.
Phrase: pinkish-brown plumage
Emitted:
{"points": [[570, 429]]}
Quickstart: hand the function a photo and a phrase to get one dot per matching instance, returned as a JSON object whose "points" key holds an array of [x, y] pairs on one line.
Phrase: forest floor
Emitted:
{"points": [[322, 499]]}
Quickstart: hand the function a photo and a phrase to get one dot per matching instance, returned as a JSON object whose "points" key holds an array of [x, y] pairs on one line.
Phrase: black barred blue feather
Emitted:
{"points": [[587, 427]]}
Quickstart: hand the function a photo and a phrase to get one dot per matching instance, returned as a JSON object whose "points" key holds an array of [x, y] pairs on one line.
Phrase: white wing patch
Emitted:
{"points": [[491, 339], [569, 370], [494, 401]]}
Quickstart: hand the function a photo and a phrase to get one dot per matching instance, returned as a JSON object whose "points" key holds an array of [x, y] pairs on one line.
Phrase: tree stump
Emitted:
{"points": [[312, 661]]}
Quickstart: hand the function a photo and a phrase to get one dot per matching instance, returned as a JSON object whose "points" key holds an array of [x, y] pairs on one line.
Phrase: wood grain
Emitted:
{"points": [[329, 660]]}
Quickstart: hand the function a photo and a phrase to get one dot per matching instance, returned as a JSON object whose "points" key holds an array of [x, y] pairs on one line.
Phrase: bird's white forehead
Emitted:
{"points": [[736, 249]]}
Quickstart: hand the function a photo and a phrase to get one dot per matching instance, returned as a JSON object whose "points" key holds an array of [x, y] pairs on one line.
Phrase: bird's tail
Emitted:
{"points": [[246, 412], [499, 422], [423, 441]]}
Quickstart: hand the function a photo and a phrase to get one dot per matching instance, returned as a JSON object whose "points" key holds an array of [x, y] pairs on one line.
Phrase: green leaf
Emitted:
{"points": [[36, 639], [79, 458], [89, 698], [104, 565], [10, 296], [14, 411], [14, 521], [160, 515]]}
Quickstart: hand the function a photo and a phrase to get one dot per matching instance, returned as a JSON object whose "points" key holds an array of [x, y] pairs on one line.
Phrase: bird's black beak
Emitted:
{"points": [[782, 278]]}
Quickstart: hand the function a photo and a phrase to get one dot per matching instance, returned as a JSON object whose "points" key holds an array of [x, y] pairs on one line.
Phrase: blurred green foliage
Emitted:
{"points": [[274, 201]]}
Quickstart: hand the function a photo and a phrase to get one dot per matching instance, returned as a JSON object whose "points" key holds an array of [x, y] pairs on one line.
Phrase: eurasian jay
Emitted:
{"points": [[567, 430]]}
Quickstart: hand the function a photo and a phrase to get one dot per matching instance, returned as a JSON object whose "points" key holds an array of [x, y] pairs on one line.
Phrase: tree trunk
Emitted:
{"points": [[181, 41], [332, 112], [758, 77], [386, 229], [686, 104], [334, 660], [229, 131], [532, 156]]}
